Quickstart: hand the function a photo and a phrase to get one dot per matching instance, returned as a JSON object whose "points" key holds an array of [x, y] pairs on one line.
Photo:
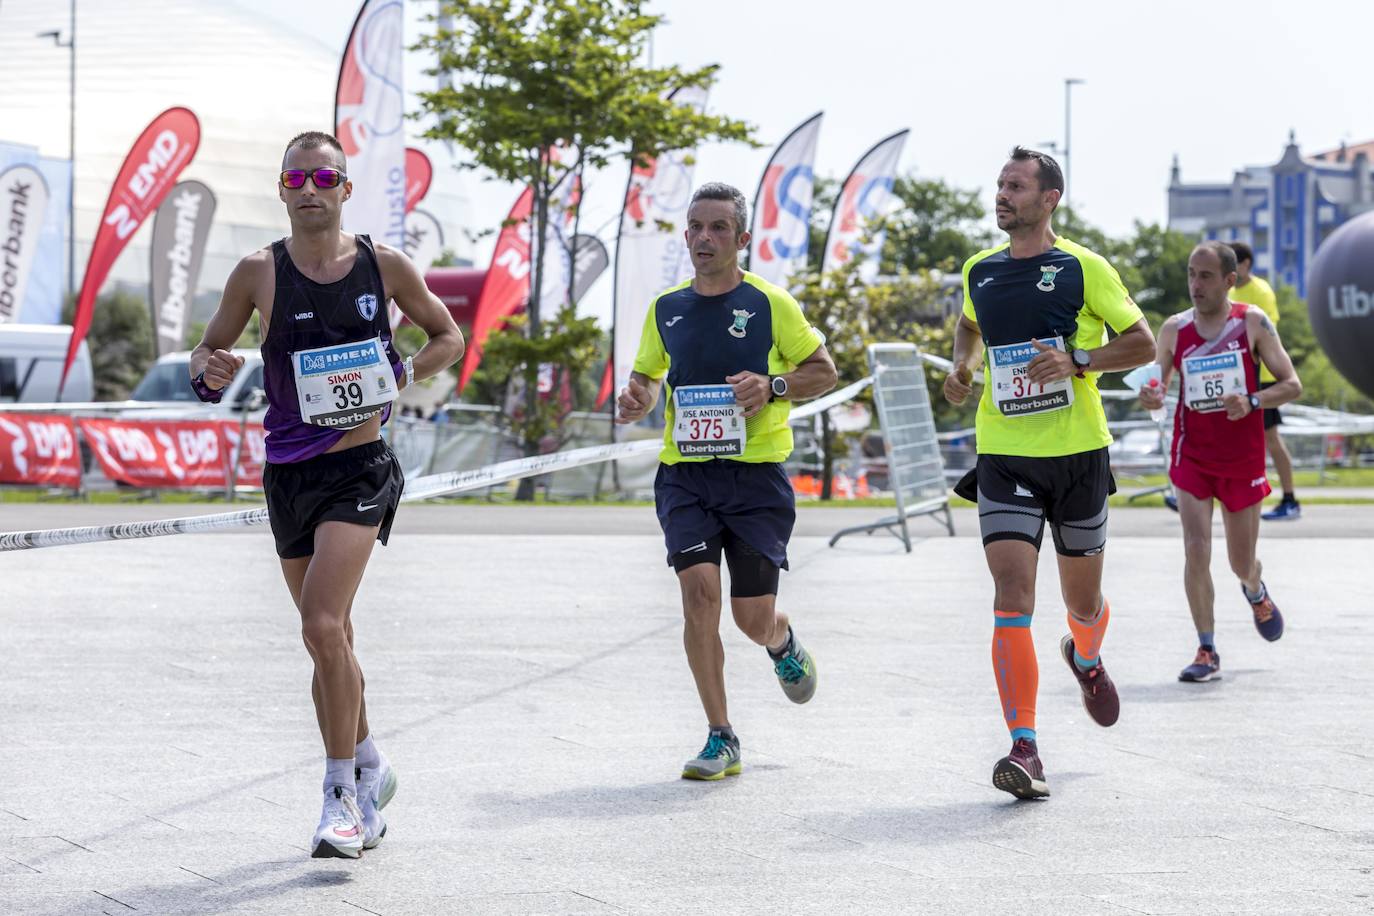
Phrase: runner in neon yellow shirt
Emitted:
{"points": [[1039, 307]]}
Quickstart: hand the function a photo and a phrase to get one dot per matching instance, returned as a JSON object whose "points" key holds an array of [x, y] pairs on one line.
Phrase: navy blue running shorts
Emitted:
{"points": [[697, 500]]}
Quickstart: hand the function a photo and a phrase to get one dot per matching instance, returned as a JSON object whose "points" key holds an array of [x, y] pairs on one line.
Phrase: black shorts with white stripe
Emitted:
{"points": [[1017, 495]]}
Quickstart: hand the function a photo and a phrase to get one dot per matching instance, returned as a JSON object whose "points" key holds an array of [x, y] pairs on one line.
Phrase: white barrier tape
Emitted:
{"points": [[420, 488], [812, 408], [25, 540]]}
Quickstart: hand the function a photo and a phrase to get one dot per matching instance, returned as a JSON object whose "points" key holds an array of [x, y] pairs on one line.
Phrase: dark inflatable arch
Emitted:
{"points": [[1340, 300]]}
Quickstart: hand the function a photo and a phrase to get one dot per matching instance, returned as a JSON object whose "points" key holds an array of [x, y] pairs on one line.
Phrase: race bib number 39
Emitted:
{"points": [[343, 386], [1012, 390], [1207, 380], [707, 421]]}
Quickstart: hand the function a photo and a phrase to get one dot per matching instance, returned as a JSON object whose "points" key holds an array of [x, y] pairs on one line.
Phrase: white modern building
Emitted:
{"points": [[1284, 211], [253, 82]]}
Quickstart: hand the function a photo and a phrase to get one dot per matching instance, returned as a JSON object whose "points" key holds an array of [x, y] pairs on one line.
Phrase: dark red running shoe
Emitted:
{"points": [[1020, 772], [1099, 693]]}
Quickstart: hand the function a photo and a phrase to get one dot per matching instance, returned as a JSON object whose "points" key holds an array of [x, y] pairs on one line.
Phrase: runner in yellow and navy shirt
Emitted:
{"points": [[1036, 312], [735, 350]]}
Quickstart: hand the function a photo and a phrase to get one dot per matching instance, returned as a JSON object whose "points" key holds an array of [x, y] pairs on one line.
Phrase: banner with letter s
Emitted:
{"points": [[862, 198], [782, 209], [369, 120], [40, 450], [507, 285], [180, 228], [150, 170]]}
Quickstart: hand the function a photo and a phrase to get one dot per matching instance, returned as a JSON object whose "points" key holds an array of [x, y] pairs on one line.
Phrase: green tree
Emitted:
{"points": [[853, 314], [534, 76], [934, 226], [569, 347], [120, 340]]}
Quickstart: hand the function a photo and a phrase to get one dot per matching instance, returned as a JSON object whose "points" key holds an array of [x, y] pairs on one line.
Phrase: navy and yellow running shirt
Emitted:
{"points": [[698, 340], [1068, 291]]}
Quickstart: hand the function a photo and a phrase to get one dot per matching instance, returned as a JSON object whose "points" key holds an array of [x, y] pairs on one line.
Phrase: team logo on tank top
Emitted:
{"points": [[367, 306]]}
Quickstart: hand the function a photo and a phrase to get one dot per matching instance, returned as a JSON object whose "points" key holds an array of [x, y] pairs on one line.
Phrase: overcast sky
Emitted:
{"points": [[1218, 84]]}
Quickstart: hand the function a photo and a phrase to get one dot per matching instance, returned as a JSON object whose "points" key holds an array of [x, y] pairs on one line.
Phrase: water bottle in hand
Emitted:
{"points": [[1158, 413]]}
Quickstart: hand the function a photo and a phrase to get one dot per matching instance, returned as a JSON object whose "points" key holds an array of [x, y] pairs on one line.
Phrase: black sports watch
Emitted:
{"points": [[1254, 401], [1082, 359], [779, 386]]}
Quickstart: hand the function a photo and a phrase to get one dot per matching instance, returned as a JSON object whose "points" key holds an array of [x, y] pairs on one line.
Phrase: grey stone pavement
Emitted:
{"points": [[526, 677]]}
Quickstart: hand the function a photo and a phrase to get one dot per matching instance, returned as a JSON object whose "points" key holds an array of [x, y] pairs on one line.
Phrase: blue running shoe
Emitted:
{"points": [[1171, 501], [1268, 620], [1285, 511], [1205, 667], [718, 759]]}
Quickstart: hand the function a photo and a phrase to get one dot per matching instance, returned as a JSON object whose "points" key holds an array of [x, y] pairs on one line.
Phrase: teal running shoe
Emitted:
{"points": [[796, 671], [718, 759]]}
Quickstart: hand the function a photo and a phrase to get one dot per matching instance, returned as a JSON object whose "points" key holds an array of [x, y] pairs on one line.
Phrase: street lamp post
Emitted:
{"points": [[70, 44], [1069, 83]]}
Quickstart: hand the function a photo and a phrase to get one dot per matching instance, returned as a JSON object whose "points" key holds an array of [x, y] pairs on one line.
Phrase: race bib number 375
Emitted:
{"points": [[345, 385], [707, 421], [1012, 390]]}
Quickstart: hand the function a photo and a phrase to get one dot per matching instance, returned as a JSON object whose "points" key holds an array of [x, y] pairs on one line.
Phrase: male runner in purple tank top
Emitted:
{"points": [[332, 484]]}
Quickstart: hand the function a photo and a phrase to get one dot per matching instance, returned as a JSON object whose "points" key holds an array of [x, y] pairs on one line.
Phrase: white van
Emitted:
{"points": [[169, 379], [31, 358]]}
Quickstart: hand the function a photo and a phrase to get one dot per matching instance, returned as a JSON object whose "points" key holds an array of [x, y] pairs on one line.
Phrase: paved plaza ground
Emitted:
{"points": [[526, 677]]}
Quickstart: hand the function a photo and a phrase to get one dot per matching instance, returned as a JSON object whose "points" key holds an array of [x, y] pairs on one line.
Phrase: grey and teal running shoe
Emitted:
{"points": [[718, 759], [796, 672]]}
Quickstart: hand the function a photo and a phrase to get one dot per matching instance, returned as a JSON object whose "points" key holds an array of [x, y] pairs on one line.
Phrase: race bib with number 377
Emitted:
{"points": [[1207, 380], [707, 421], [344, 385], [1012, 390]]}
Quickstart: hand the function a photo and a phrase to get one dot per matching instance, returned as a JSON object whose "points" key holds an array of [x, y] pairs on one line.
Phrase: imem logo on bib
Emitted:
{"points": [[345, 385]]}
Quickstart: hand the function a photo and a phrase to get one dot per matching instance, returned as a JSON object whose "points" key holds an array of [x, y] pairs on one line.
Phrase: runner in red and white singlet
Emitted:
{"points": [[1216, 348]]}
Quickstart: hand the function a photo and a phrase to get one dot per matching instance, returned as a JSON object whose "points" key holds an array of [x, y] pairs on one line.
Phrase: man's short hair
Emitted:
{"points": [[1050, 176], [719, 190], [315, 139], [1243, 251], [1224, 252]]}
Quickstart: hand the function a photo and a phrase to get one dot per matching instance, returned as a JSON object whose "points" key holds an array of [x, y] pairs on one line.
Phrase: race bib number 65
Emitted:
{"points": [[1012, 390], [1207, 380], [345, 385], [707, 421]]}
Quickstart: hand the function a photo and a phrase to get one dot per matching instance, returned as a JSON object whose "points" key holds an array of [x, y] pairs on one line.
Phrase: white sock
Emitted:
{"points": [[367, 754], [338, 771]]}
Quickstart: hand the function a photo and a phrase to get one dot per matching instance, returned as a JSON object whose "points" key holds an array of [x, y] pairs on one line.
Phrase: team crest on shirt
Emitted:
{"points": [[1047, 275], [741, 320], [367, 306]]}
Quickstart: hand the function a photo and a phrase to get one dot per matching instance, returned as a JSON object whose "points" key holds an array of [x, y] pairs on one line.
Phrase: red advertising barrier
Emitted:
{"points": [[158, 453], [252, 457], [39, 449]]}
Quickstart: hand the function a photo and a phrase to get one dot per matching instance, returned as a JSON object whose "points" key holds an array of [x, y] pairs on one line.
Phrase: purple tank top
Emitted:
{"points": [[306, 315]]}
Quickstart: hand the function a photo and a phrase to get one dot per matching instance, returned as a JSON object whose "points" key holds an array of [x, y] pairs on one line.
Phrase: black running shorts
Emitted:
{"points": [[1017, 495], [361, 485]]}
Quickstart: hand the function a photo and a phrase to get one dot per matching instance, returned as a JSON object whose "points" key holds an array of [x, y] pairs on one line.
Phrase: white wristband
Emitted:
{"points": [[410, 371]]}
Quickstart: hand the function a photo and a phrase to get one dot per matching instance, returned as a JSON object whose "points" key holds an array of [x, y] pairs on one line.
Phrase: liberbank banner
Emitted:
{"points": [[158, 156], [369, 120], [39, 293], [23, 204], [180, 229]]}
